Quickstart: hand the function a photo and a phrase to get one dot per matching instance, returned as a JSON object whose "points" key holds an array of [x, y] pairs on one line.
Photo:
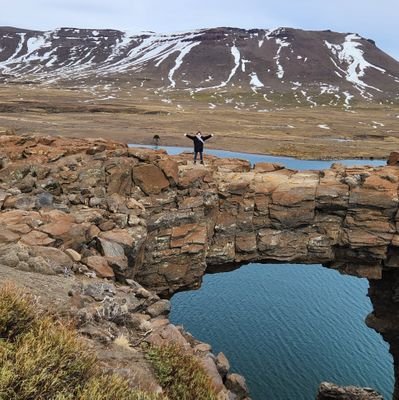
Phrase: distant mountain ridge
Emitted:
{"points": [[305, 66]]}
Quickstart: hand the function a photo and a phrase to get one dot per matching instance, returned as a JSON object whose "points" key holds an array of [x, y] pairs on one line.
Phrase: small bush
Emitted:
{"points": [[180, 375], [41, 359], [16, 312], [113, 388]]}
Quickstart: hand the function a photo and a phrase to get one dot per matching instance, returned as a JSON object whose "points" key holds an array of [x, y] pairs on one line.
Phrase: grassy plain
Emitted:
{"points": [[244, 122]]}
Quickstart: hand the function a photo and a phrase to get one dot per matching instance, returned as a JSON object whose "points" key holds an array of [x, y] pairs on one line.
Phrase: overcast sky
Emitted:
{"points": [[374, 19]]}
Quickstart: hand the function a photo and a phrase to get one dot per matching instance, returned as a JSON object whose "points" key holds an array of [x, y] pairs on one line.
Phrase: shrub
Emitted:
{"points": [[113, 388], [16, 312], [42, 359], [180, 375]]}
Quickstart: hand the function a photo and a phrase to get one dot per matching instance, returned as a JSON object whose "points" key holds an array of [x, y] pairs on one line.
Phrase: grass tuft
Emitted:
{"points": [[181, 375], [17, 312], [42, 359]]}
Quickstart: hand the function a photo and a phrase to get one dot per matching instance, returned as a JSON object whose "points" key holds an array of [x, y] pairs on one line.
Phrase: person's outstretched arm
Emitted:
{"points": [[207, 136], [189, 136]]}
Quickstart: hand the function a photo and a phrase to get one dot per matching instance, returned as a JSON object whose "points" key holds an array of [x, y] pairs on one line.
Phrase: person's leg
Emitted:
{"points": [[201, 157], [195, 156]]}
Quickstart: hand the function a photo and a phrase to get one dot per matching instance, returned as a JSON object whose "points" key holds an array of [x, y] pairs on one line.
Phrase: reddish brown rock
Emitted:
{"points": [[120, 236], [393, 158], [8, 236], [170, 168], [150, 178], [267, 167], [36, 238], [188, 234], [100, 266]]}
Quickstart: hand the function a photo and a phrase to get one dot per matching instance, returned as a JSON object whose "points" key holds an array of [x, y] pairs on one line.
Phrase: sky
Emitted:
{"points": [[372, 19]]}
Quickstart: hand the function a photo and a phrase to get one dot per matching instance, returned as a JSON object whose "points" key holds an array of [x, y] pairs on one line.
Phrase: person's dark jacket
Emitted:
{"points": [[198, 145]]}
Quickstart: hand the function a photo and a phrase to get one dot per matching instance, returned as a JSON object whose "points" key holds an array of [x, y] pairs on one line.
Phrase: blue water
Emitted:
{"points": [[289, 162], [287, 328]]}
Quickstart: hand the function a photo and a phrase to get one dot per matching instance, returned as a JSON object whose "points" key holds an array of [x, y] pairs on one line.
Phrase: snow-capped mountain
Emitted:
{"points": [[299, 65]]}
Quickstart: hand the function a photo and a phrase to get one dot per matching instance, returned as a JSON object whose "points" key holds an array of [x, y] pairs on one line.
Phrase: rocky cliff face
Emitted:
{"points": [[284, 64], [102, 209], [162, 220]]}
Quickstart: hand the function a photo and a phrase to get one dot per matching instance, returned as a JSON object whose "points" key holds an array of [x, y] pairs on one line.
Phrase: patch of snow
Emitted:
{"points": [[280, 70], [348, 98], [266, 99], [183, 52], [327, 88], [260, 43], [350, 53], [255, 82], [296, 85], [212, 106], [243, 62], [237, 56], [342, 140], [377, 123], [323, 126]]}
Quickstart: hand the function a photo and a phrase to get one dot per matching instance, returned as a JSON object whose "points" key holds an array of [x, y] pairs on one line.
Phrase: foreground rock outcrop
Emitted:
{"points": [[329, 391], [100, 209]]}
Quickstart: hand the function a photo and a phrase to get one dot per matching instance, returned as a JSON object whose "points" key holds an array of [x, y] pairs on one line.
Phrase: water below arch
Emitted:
{"points": [[288, 327]]}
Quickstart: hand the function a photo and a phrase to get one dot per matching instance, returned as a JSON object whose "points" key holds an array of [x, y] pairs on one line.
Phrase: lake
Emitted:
{"points": [[289, 162]]}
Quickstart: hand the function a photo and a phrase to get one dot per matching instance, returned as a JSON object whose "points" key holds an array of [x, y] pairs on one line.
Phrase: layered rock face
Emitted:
{"points": [[137, 213], [101, 208]]}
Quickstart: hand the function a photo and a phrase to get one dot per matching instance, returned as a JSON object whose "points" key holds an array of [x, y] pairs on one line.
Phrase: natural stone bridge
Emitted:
{"points": [[132, 213]]}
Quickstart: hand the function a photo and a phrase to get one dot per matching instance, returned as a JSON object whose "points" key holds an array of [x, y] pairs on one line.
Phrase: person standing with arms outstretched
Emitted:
{"points": [[198, 140]]}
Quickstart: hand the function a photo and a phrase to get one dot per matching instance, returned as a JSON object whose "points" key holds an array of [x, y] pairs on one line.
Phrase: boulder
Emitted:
{"points": [[161, 307], [100, 266], [236, 383], [330, 391], [150, 178], [222, 364]]}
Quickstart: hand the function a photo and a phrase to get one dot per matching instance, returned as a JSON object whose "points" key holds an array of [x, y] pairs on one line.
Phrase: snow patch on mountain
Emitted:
{"points": [[350, 53], [179, 60], [323, 126], [280, 69], [237, 57], [255, 82]]}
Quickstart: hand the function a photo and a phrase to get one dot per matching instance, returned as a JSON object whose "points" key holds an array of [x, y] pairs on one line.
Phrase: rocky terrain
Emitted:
{"points": [[76, 211]]}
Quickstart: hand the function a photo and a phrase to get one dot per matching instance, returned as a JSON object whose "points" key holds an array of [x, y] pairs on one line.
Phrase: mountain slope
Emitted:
{"points": [[311, 67]]}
